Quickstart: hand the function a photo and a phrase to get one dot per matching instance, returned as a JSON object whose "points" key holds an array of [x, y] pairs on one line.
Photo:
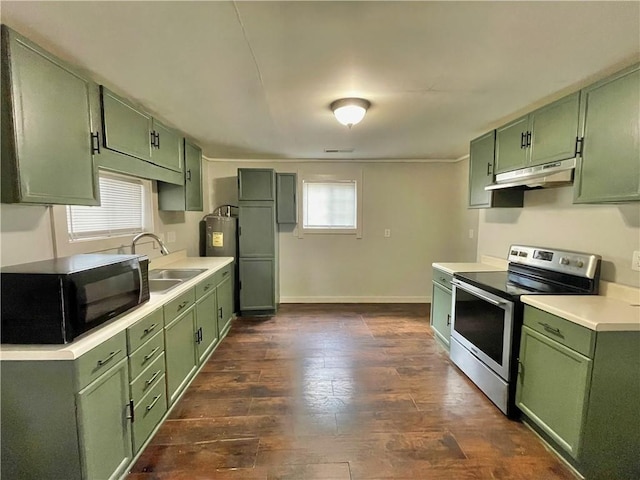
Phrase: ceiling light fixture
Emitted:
{"points": [[350, 111]]}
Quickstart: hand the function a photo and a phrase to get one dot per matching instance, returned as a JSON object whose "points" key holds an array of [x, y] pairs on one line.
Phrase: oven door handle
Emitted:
{"points": [[476, 294]]}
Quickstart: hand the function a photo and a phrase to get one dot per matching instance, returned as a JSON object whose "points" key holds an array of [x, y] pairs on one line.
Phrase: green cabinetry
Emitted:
{"points": [[180, 350], [258, 241], [481, 164], [546, 135], [50, 127], [224, 302], [579, 388], [609, 168], [207, 323], [188, 195], [286, 206], [129, 130]]}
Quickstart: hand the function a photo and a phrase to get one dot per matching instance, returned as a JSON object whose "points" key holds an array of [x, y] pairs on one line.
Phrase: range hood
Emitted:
{"points": [[555, 174]]}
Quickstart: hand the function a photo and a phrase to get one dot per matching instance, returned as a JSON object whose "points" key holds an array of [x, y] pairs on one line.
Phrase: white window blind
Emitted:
{"points": [[121, 211], [330, 205]]}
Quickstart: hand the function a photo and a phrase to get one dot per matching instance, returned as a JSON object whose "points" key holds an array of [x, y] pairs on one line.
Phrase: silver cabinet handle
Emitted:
{"points": [[109, 358], [150, 329], [153, 404], [151, 354], [550, 329], [182, 305], [153, 378]]}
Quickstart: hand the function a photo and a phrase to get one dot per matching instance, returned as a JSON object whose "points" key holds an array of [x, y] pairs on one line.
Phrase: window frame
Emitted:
{"points": [[64, 245], [348, 175]]}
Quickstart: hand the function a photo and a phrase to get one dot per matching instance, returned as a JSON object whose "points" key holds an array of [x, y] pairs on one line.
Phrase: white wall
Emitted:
{"points": [[550, 219], [424, 205], [26, 231]]}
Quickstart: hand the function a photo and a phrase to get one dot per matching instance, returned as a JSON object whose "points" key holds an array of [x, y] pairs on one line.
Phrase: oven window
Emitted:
{"points": [[481, 323]]}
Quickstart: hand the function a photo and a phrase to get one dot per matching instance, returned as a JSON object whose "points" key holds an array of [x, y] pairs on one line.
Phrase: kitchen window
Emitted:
{"points": [[124, 210], [331, 204]]}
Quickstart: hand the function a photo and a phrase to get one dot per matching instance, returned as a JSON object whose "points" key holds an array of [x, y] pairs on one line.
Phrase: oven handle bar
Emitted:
{"points": [[476, 294]]}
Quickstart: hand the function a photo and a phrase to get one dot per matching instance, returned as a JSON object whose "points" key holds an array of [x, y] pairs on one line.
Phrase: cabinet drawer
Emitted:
{"points": [[563, 331], [143, 330], [442, 278], [148, 412], [178, 305], [206, 286], [148, 378], [146, 354], [100, 359]]}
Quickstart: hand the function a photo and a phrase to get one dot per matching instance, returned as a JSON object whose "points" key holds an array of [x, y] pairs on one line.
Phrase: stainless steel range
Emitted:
{"points": [[487, 312]]}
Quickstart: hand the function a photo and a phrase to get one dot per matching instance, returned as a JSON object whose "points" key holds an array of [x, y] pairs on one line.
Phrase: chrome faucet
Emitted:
{"points": [[163, 248]]}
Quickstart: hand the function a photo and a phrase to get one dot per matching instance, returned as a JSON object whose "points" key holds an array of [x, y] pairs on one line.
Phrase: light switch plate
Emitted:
{"points": [[635, 261]]}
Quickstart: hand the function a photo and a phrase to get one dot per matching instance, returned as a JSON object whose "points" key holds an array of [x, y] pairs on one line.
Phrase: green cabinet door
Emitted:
{"points": [[167, 147], [511, 142], [256, 184], [257, 284], [441, 313], [257, 229], [180, 353], [105, 430], [126, 127], [193, 176], [552, 388], [188, 195], [609, 168], [49, 113], [224, 294], [286, 186], [554, 131], [481, 156], [207, 325]]}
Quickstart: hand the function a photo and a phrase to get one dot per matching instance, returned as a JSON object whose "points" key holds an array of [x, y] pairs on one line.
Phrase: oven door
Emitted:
{"points": [[483, 324]]}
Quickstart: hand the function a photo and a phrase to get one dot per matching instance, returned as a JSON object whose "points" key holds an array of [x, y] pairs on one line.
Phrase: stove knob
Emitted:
{"points": [[564, 261], [579, 264]]}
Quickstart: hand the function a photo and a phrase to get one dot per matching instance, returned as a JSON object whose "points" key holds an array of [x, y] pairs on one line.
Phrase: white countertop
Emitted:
{"points": [[452, 268], [89, 340], [595, 312]]}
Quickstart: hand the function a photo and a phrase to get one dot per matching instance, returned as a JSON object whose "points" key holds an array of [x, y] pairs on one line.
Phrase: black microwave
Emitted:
{"points": [[54, 301]]}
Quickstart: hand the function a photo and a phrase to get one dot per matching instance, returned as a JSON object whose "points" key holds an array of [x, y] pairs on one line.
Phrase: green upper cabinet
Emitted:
{"points": [[50, 122], [188, 196], [286, 207], [256, 184], [511, 140], [548, 134], [609, 168], [481, 163], [128, 129], [167, 147]]}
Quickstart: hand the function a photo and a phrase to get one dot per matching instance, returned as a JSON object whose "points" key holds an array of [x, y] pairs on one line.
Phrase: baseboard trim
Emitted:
{"points": [[416, 299]]}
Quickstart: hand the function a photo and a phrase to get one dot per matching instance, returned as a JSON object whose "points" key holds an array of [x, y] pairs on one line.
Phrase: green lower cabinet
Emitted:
{"points": [[148, 412], [180, 353], [441, 313], [104, 431], [224, 294], [257, 289], [552, 388], [207, 325]]}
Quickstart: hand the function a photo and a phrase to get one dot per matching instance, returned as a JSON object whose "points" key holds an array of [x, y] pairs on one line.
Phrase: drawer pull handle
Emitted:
{"points": [[448, 319], [207, 287], [129, 406], [182, 305], [220, 313], [224, 274], [151, 354], [153, 378], [153, 404], [109, 358], [443, 280], [150, 329], [550, 329]]}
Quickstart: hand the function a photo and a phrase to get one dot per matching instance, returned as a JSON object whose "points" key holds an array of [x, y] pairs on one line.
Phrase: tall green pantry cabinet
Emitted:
{"points": [[258, 241]]}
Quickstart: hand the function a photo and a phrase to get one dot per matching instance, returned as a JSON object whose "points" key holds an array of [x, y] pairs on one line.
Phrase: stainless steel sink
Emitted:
{"points": [[162, 285], [175, 273]]}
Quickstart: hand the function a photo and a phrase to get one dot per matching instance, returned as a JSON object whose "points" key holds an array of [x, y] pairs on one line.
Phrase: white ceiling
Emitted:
{"points": [[255, 79]]}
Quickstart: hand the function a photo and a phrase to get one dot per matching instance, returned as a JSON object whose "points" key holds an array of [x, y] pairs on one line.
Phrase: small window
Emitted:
{"points": [[121, 210], [331, 203]]}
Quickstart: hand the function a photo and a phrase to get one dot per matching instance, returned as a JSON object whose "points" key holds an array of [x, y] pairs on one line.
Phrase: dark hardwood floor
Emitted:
{"points": [[339, 392]]}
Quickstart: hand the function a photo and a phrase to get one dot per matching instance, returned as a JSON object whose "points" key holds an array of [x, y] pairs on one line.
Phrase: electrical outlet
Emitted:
{"points": [[171, 237], [387, 232], [471, 233], [635, 261]]}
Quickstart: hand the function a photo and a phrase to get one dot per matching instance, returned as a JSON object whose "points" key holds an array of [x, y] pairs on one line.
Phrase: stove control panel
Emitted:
{"points": [[574, 263]]}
